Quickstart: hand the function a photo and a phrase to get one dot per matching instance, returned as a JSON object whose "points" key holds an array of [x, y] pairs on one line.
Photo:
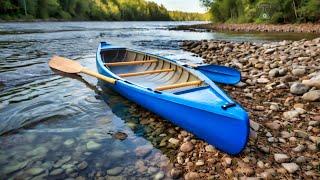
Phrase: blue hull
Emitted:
{"points": [[193, 110]]}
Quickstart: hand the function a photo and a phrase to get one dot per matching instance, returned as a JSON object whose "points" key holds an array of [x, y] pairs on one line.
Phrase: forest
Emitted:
{"points": [[264, 11], [109, 10]]}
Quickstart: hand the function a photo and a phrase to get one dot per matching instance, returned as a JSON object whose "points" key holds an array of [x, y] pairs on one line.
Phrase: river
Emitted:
{"points": [[56, 126]]}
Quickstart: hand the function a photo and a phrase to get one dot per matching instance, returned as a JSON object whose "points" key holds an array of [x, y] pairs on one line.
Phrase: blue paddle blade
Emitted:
{"points": [[220, 74]]}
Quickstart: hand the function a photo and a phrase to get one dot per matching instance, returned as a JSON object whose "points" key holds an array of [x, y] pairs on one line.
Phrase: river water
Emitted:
{"points": [[54, 126]]}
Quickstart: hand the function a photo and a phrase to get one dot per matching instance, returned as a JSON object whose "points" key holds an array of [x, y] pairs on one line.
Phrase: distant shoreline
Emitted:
{"points": [[79, 20], [249, 27]]}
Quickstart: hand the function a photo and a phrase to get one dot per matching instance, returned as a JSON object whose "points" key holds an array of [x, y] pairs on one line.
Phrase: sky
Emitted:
{"points": [[182, 5]]}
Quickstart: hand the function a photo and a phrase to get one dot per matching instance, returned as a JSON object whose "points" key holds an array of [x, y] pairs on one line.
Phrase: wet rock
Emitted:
{"points": [[174, 141], [298, 88], [114, 171], [91, 146], [12, 167], [160, 175], [143, 151], [186, 147], [192, 176], [290, 167], [69, 142], [56, 172], [312, 96], [120, 135], [62, 161], [83, 165], [39, 151], [35, 171], [175, 173], [281, 158]]}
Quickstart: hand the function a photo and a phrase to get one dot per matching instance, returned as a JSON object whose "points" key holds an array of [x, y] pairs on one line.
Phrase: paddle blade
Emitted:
{"points": [[65, 65], [220, 74]]}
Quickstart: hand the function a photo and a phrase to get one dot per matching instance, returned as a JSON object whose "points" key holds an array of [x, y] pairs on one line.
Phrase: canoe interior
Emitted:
{"points": [[174, 75]]}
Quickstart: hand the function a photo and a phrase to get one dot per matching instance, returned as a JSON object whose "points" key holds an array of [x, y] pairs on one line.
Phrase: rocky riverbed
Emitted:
{"points": [[285, 28], [280, 88]]}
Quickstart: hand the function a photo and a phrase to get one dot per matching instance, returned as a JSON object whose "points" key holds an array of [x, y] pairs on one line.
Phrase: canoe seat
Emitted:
{"points": [[130, 63], [145, 72], [178, 85]]}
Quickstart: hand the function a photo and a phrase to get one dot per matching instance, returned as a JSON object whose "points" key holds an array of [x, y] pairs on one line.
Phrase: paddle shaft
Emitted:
{"points": [[99, 76]]}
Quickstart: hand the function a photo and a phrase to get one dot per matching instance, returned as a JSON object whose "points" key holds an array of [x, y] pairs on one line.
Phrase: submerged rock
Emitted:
{"points": [[114, 171], [91, 146]]}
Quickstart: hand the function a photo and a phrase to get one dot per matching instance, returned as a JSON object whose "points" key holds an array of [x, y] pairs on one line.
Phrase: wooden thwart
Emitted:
{"points": [[178, 85], [130, 63], [145, 72]]}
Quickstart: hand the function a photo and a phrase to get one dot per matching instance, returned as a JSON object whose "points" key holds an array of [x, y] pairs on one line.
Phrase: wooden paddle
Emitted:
{"points": [[70, 66]]}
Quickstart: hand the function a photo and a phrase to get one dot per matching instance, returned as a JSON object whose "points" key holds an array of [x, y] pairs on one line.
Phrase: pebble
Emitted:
{"points": [[290, 167], [199, 163], [209, 148], [254, 125], [83, 165], [291, 114], [160, 175], [281, 158], [192, 176], [312, 95], [174, 141], [186, 147], [301, 134], [299, 71], [298, 88], [312, 82], [144, 150], [175, 173], [12, 167], [114, 171], [35, 171], [263, 80], [273, 125], [301, 159], [69, 142], [120, 135], [299, 148], [56, 172], [91, 146]]}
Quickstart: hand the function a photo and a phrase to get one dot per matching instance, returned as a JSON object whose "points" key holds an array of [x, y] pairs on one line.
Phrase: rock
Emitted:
{"points": [[312, 83], [143, 151], [273, 125], [312, 95], [174, 141], [298, 71], [290, 167], [269, 51], [199, 163], [274, 107], [34, 171], [62, 161], [12, 167], [263, 80], [69, 142], [301, 159], [120, 135], [245, 169], [254, 125], [186, 147], [159, 176], [298, 88], [83, 165], [289, 115], [56, 172], [192, 176], [175, 173], [274, 73], [281, 158], [301, 134], [209, 148], [314, 123], [299, 148], [114, 171], [39, 151], [91, 146], [228, 161]]}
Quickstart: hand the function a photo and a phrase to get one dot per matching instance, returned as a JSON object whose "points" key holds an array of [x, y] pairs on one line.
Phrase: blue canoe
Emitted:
{"points": [[180, 94]]}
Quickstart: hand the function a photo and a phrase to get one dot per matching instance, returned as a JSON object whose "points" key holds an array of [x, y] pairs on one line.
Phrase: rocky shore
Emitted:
{"points": [[285, 28], [280, 88]]}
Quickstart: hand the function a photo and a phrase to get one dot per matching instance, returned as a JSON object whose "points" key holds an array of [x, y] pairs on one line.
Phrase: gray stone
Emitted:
{"points": [[301, 159], [298, 71], [69, 142], [83, 165], [298, 88], [143, 151], [299, 148], [301, 134], [91, 146], [56, 172], [114, 171], [281, 158], [62, 161], [159, 176], [312, 83], [269, 51], [174, 141], [254, 125], [290, 114], [35, 171], [263, 80], [312, 95], [273, 125], [290, 167], [274, 72], [14, 167]]}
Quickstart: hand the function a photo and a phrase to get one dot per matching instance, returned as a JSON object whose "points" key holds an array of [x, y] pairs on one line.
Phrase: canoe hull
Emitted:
{"points": [[224, 132]]}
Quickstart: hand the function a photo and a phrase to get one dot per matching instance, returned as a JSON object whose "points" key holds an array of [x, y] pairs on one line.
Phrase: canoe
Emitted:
{"points": [[181, 94]]}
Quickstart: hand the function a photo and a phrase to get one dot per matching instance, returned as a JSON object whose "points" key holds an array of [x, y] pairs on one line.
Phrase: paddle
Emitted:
{"points": [[70, 66], [219, 74]]}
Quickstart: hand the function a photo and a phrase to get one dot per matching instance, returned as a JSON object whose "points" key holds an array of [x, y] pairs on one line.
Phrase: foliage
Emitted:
{"points": [[132, 10], [264, 11]]}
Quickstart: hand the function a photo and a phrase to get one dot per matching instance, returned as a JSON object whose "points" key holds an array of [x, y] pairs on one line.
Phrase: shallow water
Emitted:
{"points": [[63, 126]]}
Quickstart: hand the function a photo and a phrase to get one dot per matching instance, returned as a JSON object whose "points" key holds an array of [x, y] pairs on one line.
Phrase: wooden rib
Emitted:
{"points": [[129, 63], [178, 85], [145, 72]]}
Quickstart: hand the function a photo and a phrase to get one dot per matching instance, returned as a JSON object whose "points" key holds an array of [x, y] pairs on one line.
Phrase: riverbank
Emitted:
{"points": [[295, 28], [280, 88]]}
